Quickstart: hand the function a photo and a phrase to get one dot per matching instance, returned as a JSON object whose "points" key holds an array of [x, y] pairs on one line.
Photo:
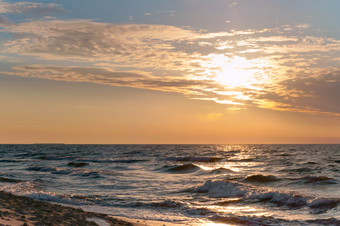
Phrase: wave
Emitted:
{"points": [[321, 205], [194, 159], [270, 221], [222, 189], [130, 160], [78, 164], [231, 189], [9, 180], [233, 152], [300, 170], [221, 171], [14, 160], [52, 197], [71, 172], [22, 188], [199, 211], [109, 172], [30, 189], [91, 174], [84, 197], [310, 163], [261, 178], [329, 221], [320, 180], [72, 199], [167, 204], [54, 158], [280, 199], [241, 160], [249, 220], [186, 168], [228, 202], [112, 160], [41, 168], [63, 171], [77, 172]]}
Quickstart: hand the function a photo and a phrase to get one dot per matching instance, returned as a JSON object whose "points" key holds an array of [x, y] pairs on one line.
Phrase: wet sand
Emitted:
{"points": [[140, 222], [24, 211], [18, 210]]}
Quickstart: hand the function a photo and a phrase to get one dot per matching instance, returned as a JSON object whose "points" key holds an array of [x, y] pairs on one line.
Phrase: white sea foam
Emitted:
{"points": [[229, 189], [29, 189], [222, 189], [279, 198]]}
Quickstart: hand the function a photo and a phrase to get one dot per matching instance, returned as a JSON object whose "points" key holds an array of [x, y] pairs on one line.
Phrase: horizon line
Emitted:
{"points": [[61, 143]]}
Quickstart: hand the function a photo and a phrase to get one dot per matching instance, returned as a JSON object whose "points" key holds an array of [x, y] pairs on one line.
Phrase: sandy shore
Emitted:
{"points": [[18, 210], [139, 222]]}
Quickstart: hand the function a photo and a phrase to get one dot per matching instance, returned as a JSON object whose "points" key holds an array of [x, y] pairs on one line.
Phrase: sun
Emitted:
{"points": [[235, 71]]}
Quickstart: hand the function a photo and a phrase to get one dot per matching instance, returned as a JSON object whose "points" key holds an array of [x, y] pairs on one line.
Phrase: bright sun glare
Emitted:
{"points": [[236, 71]]}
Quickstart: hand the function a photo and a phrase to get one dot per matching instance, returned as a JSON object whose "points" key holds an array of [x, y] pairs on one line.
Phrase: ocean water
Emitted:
{"points": [[184, 184]]}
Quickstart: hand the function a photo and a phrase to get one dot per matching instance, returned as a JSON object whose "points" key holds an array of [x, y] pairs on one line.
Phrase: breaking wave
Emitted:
{"points": [[231, 189], [186, 168], [321, 180], [261, 178], [194, 159], [221, 171]]}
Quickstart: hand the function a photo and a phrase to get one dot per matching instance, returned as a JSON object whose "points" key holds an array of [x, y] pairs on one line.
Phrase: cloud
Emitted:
{"points": [[147, 45], [320, 93], [269, 68], [195, 89], [29, 7], [232, 4], [307, 95], [4, 21]]}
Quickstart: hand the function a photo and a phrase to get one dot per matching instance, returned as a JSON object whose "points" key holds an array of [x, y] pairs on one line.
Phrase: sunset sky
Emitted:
{"points": [[170, 71]]}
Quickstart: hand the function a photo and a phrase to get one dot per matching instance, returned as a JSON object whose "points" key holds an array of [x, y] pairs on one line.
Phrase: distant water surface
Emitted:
{"points": [[184, 184]]}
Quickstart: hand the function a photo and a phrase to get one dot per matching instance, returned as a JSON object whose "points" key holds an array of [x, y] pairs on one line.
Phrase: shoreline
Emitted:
{"points": [[24, 211], [142, 222]]}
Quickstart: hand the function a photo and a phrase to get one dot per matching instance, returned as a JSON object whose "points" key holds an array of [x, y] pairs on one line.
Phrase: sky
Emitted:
{"points": [[170, 71]]}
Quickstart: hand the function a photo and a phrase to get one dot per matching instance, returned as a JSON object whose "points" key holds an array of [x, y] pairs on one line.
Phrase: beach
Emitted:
{"points": [[19, 210], [24, 211]]}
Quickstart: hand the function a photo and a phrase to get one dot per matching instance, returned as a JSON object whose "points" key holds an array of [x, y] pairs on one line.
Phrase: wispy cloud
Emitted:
{"points": [[26, 7], [139, 45], [276, 68], [197, 89]]}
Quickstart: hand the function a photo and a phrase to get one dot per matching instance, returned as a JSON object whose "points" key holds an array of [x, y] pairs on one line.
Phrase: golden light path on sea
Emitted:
{"points": [[236, 164]]}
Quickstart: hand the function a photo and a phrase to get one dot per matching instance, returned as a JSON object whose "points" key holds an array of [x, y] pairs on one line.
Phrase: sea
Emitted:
{"points": [[182, 184]]}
